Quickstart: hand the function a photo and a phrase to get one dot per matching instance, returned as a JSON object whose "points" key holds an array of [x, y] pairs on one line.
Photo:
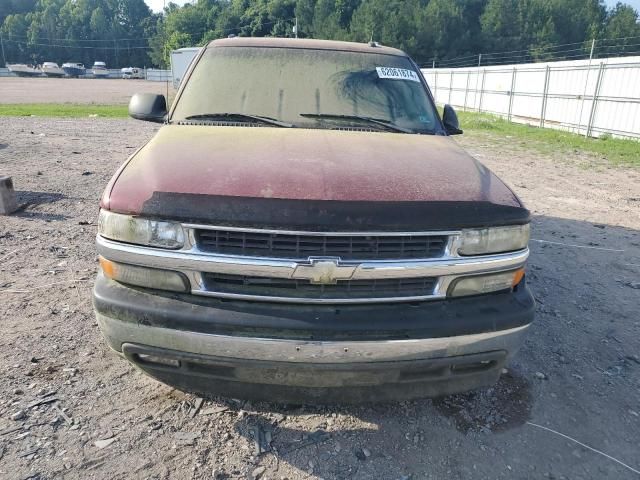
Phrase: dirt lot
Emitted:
{"points": [[75, 90], [578, 373]]}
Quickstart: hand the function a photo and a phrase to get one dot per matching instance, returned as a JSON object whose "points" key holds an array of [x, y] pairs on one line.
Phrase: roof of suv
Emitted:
{"points": [[270, 42]]}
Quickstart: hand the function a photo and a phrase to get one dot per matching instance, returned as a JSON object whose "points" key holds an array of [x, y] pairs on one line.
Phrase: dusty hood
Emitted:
{"points": [[199, 163]]}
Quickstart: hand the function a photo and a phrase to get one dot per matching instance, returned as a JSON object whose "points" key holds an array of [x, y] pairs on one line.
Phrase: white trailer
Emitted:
{"points": [[180, 61], [129, 73]]}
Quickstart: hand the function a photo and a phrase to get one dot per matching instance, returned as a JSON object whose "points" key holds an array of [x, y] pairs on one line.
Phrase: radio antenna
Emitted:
{"points": [[371, 42]]}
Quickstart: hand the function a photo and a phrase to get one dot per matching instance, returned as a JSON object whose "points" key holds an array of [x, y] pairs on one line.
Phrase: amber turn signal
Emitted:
{"points": [[108, 268], [518, 275], [143, 276], [487, 283]]}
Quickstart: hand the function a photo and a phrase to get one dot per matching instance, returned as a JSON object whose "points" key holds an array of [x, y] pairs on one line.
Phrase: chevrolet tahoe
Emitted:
{"points": [[303, 228]]}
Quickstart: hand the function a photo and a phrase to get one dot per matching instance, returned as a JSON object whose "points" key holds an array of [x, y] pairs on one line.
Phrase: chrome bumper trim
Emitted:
{"points": [[438, 295], [118, 332]]}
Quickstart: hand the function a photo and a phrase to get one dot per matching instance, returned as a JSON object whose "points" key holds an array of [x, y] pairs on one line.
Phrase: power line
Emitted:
{"points": [[546, 48], [526, 51], [86, 40], [616, 38], [72, 47], [604, 46], [28, 40]]}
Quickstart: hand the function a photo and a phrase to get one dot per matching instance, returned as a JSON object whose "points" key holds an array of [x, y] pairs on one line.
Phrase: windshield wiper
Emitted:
{"points": [[239, 117], [369, 120]]}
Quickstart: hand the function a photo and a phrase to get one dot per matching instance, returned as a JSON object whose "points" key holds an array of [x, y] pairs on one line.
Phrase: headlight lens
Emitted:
{"points": [[144, 277], [481, 241], [140, 231], [486, 283]]}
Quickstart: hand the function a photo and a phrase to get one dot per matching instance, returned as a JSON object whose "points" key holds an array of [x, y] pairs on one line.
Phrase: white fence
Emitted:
{"points": [[596, 97], [154, 75]]}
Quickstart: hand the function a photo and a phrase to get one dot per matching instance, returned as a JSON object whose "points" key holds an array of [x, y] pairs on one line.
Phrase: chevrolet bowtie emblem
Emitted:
{"points": [[323, 271]]}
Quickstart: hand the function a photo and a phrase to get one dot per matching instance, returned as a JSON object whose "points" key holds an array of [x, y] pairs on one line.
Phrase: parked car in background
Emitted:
{"points": [[132, 73], [303, 228]]}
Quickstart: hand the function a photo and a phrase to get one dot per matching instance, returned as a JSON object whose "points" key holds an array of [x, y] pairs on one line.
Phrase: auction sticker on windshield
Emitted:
{"points": [[394, 73]]}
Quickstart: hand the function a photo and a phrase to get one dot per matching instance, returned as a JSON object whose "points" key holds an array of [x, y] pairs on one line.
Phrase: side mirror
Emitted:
{"points": [[148, 107], [450, 120]]}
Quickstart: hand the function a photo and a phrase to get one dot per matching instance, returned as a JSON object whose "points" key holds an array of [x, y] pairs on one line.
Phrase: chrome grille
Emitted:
{"points": [[302, 246], [291, 288]]}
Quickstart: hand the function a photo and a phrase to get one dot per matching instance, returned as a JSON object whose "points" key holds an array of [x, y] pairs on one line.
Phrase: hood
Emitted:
{"points": [[312, 166]]}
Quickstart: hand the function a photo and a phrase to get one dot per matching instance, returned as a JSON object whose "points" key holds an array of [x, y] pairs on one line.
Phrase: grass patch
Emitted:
{"points": [[546, 140], [64, 110]]}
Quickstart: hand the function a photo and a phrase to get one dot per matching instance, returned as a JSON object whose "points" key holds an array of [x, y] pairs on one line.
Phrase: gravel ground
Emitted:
{"points": [[71, 409], [75, 90]]}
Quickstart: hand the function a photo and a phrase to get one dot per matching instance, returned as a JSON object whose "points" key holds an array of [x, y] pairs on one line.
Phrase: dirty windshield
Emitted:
{"points": [[310, 89]]}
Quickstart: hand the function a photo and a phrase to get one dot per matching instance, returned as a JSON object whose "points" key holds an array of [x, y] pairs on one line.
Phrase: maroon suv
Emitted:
{"points": [[302, 228]]}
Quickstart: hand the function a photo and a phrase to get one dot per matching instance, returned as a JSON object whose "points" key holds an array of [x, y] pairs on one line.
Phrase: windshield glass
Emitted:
{"points": [[308, 88]]}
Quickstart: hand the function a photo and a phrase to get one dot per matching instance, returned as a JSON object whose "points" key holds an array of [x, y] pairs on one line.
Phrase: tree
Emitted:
{"points": [[390, 22], [622, 22], [114, 31], [304, 11], [527, 29], [451, 37], [577, 20], [501, 26], [332, 18], [126, 32]]}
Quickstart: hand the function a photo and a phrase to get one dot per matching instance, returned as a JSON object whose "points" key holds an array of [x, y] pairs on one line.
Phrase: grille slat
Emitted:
{"points": [[293, 288], [301, 246]]}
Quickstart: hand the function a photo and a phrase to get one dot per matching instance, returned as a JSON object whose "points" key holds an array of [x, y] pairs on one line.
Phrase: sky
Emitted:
{"points": [[156, 5], [634, 3]]}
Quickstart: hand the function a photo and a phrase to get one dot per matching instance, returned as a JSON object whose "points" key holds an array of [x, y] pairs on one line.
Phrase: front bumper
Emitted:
{"points": [[299, 354]]}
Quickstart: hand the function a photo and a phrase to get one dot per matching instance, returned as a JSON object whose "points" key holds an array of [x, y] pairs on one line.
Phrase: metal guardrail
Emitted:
{"points": [[590, 98]]}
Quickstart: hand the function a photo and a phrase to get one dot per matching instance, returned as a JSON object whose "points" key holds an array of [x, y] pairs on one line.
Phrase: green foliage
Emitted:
{"points": [[623, 22], [63, 110], [113, 31], [126, 33], [398, 29], [550, 141]]}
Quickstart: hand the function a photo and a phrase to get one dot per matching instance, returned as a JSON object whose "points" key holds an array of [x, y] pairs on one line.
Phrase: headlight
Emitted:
{"points": [[143, 276], [493, 282], [140, 231], [480, 241]]}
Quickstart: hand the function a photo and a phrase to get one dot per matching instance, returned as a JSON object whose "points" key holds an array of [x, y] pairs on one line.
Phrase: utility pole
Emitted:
{"points": [[295, 29], [586, 84], [433, 65], [164, 12], [479, 59], [593, 45], [4, 59]]}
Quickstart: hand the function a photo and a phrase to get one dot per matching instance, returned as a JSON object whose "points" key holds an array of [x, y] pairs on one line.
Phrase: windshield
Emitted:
{"points": [[308, 88]]}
